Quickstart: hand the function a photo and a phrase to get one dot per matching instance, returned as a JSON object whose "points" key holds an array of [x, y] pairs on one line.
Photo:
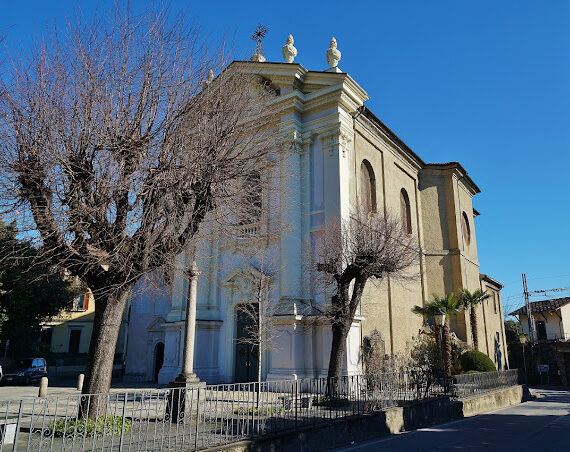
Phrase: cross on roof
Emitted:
{"points": [[258, 35]]}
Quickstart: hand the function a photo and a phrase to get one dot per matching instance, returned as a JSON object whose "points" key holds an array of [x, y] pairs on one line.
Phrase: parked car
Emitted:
{"points": [[26, 371]]}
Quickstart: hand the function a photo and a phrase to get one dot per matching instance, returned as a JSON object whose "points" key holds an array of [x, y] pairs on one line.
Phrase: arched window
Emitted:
{"points": [[405, 211], [465, 228], [250, 211], [367, 186]]}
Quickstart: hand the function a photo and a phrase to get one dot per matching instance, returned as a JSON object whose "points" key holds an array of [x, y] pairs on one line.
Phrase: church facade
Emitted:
{"points": [[341, 155]]}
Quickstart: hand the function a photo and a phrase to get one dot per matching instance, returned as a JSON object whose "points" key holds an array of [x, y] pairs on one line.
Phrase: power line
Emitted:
{"points": [[557, 289]]}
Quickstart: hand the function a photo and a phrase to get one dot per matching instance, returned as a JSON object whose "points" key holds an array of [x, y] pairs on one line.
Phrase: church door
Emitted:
{"points": [[247, 355], [158, 359]]}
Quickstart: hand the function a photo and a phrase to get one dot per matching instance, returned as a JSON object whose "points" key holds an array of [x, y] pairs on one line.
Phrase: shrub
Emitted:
{"points": [[475, 360], [109, 425]]}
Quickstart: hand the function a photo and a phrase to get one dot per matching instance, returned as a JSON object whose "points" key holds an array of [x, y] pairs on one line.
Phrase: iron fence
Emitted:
{"points": [[470, 384], [201, 417]]}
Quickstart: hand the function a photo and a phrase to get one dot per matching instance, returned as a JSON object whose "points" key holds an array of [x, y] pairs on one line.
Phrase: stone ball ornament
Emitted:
{"points": [[289, 50], [333, 54]]}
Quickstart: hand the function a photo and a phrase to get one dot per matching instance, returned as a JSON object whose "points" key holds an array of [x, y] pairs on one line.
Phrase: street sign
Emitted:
{"points": [[543, 368]]}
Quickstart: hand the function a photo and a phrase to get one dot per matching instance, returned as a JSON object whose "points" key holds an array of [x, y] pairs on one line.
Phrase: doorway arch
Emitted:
{"points": [[158, 359]]}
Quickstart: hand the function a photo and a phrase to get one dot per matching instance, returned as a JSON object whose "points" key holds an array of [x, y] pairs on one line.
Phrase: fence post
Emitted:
{"points": [[295, 397], [123, 424], [197, 417], [18, 422]]}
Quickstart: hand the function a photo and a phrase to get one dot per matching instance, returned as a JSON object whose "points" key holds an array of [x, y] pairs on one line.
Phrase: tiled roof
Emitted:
{"points": [[543, 306]]}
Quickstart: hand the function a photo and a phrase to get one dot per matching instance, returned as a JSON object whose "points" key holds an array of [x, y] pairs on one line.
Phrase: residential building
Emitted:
{"points": [[551, 319], [67, 336]]}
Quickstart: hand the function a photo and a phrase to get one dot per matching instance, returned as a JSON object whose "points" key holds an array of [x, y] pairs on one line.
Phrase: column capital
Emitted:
{"points": [[193, 271]]}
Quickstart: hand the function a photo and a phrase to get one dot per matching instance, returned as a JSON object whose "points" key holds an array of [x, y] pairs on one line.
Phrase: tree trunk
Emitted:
{"points": [[473, 316], [99, 368], [446, 350], [338, 348]]}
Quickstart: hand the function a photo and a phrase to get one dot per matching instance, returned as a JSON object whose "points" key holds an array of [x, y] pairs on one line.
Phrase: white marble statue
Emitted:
{"points": [[289, 50], [333, 54]]}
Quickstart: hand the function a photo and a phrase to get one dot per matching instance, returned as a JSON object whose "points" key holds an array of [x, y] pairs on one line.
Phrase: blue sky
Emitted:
{"points": [[485, 83]]}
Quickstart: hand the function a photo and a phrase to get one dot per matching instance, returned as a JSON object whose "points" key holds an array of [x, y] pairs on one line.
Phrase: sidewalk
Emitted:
{"points": [[68, 387]]}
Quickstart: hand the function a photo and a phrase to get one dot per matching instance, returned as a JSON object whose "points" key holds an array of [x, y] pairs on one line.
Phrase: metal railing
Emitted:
{"points": [[200, 417], [466, 385]]}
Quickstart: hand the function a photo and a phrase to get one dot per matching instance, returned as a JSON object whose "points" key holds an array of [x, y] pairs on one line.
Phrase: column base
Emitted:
{"points": [[188, 381]]}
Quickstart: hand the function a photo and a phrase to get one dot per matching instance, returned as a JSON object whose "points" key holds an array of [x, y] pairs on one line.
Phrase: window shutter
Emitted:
{"points": [[86, 301]]}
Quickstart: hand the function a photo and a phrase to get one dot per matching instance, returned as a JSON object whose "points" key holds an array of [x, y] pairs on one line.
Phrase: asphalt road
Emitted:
{"points": [[539, 425]]}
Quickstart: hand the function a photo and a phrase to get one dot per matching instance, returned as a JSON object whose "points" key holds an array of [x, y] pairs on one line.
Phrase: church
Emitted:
{"points": [[342, 154]]}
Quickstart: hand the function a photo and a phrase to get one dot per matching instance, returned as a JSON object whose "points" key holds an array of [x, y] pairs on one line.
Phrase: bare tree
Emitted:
{"points": [[118, 144], [349, 253], [257, 307]]}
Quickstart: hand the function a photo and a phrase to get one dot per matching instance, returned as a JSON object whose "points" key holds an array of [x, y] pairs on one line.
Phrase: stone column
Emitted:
{"points": [[187, 375], [185, 383]]}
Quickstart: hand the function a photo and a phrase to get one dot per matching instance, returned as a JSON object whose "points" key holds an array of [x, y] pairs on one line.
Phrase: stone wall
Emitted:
{"points": [[344, 432]]}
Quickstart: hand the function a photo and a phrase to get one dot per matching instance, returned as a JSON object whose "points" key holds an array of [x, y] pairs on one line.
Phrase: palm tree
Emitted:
{"points": [[470, 301], [448, 305]]}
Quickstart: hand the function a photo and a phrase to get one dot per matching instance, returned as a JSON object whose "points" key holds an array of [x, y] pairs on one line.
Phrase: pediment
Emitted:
{"points": [[156, 324], [240, 275]]}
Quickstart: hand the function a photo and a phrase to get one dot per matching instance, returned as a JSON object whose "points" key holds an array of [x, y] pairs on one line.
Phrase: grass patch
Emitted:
{"points": [[332, 402], [108, 425], [265, 411]]}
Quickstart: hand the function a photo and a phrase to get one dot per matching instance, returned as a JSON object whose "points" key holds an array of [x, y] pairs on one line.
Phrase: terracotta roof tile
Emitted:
{"points": [[543, 306]]}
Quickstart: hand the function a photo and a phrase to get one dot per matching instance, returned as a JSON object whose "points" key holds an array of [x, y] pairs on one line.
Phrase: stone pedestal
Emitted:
{"points": [[183, 398]]}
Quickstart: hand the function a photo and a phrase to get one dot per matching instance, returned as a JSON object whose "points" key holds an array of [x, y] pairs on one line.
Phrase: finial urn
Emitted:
{"points": [[257, 57], [209, 78], [289, 51], [333, 54]]}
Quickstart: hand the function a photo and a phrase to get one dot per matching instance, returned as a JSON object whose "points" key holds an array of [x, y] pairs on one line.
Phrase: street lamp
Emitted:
{"points": [[439, 317]]}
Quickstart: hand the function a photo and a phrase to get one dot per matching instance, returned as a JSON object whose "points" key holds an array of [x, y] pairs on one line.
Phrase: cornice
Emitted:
{"points": [[454, 169], [492, 281], [382, 129]]}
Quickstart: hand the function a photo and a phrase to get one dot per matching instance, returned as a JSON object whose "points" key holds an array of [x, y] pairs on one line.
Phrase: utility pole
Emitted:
{"points": [[531, 328]]}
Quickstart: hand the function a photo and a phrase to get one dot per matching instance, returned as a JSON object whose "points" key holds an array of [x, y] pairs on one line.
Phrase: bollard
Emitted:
{"points": [[43, 387], [80, 378]]}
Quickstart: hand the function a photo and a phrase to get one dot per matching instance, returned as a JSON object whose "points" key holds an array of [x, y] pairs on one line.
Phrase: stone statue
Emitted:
{"points": [[333, 54], [289, 51], [209, 79]]}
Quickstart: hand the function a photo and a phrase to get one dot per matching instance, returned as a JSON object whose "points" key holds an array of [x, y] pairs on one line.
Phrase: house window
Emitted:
{"points": [[405, 211], [465, 228], [367, 187], [46, 336], [74, 340], [541, 330], [80, 302]]}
